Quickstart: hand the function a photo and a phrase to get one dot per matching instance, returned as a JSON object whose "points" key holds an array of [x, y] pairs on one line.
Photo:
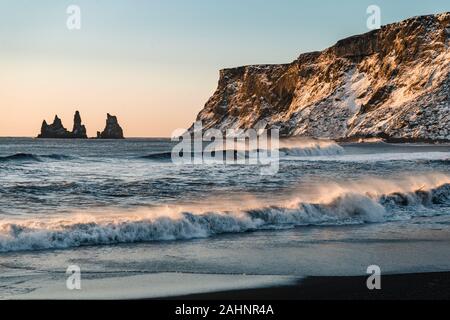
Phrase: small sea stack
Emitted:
{"points": [[112, 130], [79, 130]]}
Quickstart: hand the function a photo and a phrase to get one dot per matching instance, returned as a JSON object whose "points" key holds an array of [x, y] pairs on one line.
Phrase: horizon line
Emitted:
{"points": [[88, 138]]}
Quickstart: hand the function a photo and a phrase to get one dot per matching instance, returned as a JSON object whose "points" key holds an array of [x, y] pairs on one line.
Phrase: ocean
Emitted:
{"points": [[139, 225]]}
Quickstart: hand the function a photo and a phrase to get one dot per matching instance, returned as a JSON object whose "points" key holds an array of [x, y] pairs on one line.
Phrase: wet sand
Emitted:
{"points": [[414, 286]]}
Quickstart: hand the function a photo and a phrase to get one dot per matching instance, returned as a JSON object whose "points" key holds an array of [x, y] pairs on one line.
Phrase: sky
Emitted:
{"points": [[154, 63]]}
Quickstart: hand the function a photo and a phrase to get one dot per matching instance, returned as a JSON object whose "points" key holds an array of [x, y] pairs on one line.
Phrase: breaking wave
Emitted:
{"points": [[158, 156], [360, 202], [304, 147], [20, 157], [28, 157], [300, 147], [312, 151]]}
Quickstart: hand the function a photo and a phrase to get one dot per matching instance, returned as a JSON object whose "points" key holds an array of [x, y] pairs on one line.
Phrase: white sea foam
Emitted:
{"points": [[392, 156], [365, 201], [301, 147], [307, 147]]}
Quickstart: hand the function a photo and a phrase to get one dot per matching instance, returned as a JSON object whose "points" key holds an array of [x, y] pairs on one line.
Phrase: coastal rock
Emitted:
{"points": [[112, 129], [56, 130], [79, 130], [392, 83]]}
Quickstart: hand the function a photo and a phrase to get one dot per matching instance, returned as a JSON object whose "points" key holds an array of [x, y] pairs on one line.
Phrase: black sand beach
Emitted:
{"points": [[415, 286]]}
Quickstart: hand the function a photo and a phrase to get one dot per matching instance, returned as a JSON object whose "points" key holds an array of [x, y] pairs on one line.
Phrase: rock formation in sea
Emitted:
{"points": [[79, 130], [56, 130], [392, 83], [112, 129]]}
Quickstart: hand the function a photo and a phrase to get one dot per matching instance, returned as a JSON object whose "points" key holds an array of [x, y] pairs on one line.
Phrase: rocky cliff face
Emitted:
{"points": [[112, 129], [56, 130], [391, 83]]}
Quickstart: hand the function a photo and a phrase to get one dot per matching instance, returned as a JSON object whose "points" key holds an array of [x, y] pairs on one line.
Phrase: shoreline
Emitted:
{"points": [[212, 287], [409, 286]]}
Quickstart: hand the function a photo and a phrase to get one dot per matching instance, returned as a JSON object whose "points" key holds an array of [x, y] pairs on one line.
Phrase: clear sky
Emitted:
{"points": [[154, 63]]}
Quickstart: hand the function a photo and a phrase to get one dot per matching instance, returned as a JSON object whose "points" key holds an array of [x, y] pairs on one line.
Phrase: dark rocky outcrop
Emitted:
{"points": [[112, 129], [56, 130], [393, 82], [79, 130]]}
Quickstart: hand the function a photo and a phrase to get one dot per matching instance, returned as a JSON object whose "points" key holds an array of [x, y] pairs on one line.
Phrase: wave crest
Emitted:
{"points": [[20, 157], [300, 147], [24, 157]]}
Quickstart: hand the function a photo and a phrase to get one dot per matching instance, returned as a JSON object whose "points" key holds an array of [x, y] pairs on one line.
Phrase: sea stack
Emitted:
{"points": [[79, 130], [112, 129], [56, 130]]}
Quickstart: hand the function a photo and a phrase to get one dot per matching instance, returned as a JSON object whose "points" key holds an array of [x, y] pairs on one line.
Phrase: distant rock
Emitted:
{"points": [[112, 129], [56, 130], [79, 130]]}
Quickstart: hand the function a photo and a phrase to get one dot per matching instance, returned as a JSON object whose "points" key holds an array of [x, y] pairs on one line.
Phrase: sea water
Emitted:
{"points": [[122, 208]]}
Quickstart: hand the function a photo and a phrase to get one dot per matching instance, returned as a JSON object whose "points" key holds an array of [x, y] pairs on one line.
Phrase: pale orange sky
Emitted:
{"points": [[145, 105]]}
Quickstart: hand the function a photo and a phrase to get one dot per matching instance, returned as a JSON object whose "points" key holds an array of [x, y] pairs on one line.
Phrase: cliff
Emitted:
{"points": [[392, 83]]}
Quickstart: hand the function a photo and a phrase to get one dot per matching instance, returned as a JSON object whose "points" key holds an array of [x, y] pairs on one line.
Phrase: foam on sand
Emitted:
{"points": [[154, 285]]}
